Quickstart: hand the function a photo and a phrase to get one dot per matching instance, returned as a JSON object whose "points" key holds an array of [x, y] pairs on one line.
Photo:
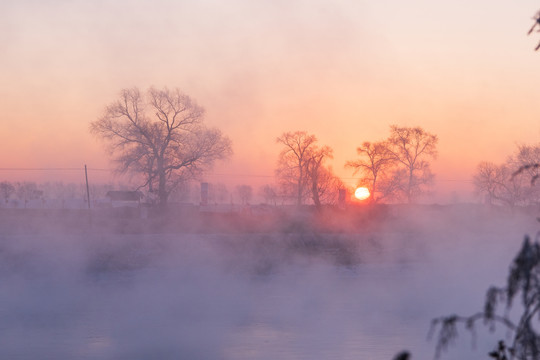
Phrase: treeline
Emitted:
{"points": [[397, 167], [394, 169], [20, 193], [159, 136], [28, 191], [511, 183], [160, 139]]}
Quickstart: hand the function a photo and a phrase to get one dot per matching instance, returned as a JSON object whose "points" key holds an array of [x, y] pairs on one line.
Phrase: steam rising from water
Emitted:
{"points": [[354, 295]]}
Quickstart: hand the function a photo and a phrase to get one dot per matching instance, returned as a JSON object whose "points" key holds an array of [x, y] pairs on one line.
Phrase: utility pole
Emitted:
{"points": [[87, 187]]}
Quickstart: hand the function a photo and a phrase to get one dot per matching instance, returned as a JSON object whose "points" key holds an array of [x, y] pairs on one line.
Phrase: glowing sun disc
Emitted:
{"points": [[362, 193]]}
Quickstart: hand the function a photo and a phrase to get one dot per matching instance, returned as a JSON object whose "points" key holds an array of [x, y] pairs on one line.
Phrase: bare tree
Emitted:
{"points": [[293, 161], [27, 191], [376, 161], [412, 147], [513, 182], [160, 136], [526, 155], [301, 167], [245, 192], [327, 186], [487, 181], [524, 164], [269, 193], [318, 175], [6, 190], [499, 186], [392, 186]]}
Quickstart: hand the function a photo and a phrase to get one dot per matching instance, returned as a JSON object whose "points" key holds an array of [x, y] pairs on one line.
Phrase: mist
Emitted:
{"points": [[302, 289], [201, 233]]}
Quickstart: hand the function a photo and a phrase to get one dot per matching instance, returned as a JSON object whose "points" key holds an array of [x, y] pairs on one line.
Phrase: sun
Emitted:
{"points": [[362, 193]]}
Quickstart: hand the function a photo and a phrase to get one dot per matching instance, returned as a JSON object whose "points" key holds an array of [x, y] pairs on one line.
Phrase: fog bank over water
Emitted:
{"points": [[288, 293]]}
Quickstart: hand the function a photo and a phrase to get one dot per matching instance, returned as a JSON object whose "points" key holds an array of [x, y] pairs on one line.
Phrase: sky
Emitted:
{"points": [[343, 70]]}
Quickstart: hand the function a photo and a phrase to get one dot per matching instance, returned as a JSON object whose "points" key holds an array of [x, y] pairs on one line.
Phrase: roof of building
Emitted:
{"points": [[124, 195]]}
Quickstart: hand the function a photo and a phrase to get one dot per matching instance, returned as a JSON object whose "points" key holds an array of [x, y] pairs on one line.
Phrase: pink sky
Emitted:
{"points": [[342, 70]]}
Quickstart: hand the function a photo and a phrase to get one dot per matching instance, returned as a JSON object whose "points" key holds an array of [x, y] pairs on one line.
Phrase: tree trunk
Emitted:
{"points": [[300, 179], [162, 191], [410, 187], [315, 193], [373, 188]]}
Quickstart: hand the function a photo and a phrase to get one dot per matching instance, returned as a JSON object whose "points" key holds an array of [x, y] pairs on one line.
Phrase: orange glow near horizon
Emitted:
{"points": [[343, 71]]}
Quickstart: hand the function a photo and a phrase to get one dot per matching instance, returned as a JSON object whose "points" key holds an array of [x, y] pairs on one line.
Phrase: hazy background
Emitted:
{"points": [[342, 70]]}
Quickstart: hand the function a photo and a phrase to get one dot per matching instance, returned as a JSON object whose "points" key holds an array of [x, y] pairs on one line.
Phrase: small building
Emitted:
{"points": [[125, 198]]}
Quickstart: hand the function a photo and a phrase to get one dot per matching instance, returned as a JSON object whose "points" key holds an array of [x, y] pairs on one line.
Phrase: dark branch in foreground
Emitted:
{"points": [[448, 328], [525, 168], [536, 19], [523, 281]]}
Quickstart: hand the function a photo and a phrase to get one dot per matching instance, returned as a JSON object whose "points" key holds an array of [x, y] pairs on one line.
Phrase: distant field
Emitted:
{"points": [[268, 219]]}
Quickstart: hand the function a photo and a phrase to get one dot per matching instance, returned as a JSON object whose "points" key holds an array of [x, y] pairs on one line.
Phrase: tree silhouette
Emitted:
{"points": [[513, 182], [524, 283], [301, 171], [161, 137], [376, 160], [536, 19], [293, 160], [412, 147]]}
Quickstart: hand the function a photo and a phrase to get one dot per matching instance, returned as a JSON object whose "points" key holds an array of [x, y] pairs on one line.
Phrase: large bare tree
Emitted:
{"points": [[413, 147], [325, 190], [160, 136], [376, 161], [487, 181], [293, 161], [319, 176], [301, 168]]}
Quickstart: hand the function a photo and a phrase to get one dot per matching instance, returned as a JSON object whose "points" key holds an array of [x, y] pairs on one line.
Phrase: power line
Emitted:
{"points": [[445, 180], [240, 175], [454, 180], [208, 174], [52, 169]]}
